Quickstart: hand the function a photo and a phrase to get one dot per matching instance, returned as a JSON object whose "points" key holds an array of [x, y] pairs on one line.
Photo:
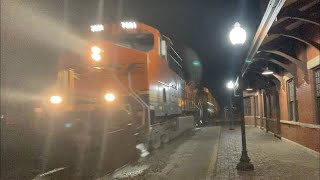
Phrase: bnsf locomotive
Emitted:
{"points": [[127, 89]]}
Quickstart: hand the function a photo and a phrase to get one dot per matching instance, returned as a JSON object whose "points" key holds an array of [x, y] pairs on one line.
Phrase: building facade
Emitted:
{"points": [[287, 102]]}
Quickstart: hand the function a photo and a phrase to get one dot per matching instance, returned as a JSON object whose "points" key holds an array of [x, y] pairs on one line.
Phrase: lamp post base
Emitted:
{"points": [[245, 164]]}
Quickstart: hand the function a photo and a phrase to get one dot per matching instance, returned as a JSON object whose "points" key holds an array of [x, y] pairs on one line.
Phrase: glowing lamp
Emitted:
{"points": [[96, 57], [109, 97], [230, 85], [95, 50], [238, 34], [97, 28], [55, 99], [267, 72], [129, 25]]}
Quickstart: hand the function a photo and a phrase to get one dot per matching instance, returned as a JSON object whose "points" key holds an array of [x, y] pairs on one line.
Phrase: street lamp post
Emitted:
{"points": [[244, 164], [230, 86], [238, 36]]}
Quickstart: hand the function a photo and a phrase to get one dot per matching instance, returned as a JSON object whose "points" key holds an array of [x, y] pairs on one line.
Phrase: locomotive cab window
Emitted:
{"points": [[139, 41]]}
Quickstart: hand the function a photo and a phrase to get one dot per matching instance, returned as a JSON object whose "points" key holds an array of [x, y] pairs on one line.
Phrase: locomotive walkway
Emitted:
{"points": [[213, 153]]}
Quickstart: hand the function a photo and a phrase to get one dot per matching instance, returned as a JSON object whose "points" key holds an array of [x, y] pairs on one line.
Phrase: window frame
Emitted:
{"points": [[317, 104], [247, 106], [295, 116]]}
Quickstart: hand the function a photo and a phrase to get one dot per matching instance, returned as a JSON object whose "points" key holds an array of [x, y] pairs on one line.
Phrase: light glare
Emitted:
{"points": [[110, 97], [95, 50], [55, 99], [96, 57], [237, 35], [97, 28], [129, 25], [267, 72], [230, 85]]}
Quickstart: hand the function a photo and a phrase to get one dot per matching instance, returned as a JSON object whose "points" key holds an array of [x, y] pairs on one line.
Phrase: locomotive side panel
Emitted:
{"points": [[165, 85]]}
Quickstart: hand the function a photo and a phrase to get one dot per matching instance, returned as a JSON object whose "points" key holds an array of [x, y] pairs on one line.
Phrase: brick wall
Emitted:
{"points": [[249, 120], [272, 126], [308, 137]]}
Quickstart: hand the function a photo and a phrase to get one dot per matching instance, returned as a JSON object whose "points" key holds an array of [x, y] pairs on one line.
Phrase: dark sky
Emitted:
{"points": [[28, 54]]}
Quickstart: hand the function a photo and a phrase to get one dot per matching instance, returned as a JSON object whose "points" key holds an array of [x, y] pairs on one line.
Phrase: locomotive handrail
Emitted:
{"points": [[141, 101], [176, 61], [129, 91], [175, 52]]}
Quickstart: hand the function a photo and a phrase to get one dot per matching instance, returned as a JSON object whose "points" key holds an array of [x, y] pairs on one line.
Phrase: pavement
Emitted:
{"points": [[272, 158], [213, 153], [191, 156]]}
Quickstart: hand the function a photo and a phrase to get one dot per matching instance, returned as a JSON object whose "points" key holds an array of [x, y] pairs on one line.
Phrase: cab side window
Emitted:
{"points": [[162, 48]]}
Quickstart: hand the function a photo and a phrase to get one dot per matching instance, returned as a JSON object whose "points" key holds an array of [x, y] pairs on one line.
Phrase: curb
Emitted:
{"points": [[213, 160]]}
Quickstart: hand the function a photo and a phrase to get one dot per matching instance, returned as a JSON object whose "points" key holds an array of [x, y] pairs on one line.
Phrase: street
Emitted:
{"points": [[213, 153]]}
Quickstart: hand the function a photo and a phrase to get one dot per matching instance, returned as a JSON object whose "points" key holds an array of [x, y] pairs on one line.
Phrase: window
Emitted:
{"points": [[317, 81], [292, 100], [272, 106], [247, 106], [264, 97], [139, 41], [162, 47]]}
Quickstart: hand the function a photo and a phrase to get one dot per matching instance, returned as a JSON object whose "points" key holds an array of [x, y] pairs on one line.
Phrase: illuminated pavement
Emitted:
{"points": [[271, 157], [192, 156], [213, 153]]}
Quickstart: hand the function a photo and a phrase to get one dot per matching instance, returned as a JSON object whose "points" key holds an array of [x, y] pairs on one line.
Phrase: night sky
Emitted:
{"points": [[30, 30]]}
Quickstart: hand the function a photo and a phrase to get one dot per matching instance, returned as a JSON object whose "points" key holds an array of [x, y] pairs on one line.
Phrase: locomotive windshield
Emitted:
{"points": [[139, 41]]}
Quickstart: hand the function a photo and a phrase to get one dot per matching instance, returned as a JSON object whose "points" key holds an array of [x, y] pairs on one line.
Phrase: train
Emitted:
{"points": [[123, 95], [209, 107]]}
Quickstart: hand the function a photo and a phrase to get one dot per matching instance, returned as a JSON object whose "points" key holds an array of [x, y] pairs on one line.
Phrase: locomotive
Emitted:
{"points": [[125, 91]]}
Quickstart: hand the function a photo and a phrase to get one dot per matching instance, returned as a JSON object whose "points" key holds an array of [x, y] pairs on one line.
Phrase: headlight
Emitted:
{"points": [[55, 99], [129, 25], [95, 53], [97, 28], [95, 50], [109, 97], [96, 57]]}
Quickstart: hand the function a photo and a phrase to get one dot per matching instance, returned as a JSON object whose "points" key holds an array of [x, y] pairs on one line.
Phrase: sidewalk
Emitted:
{"points": [[271, 157], [189, 157]]}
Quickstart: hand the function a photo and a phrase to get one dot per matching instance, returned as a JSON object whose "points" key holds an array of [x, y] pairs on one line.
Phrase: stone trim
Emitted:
{"points": [[287, 76], [249, 126], [308, 150], [313, 62], [304, 125]]}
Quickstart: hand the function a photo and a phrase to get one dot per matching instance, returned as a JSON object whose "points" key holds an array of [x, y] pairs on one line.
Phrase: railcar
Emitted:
{"points": [[209, 108], [125, 88]]}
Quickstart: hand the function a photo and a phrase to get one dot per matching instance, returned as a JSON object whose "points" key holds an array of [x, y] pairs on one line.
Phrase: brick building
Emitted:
{"points": [[287, 102]]}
